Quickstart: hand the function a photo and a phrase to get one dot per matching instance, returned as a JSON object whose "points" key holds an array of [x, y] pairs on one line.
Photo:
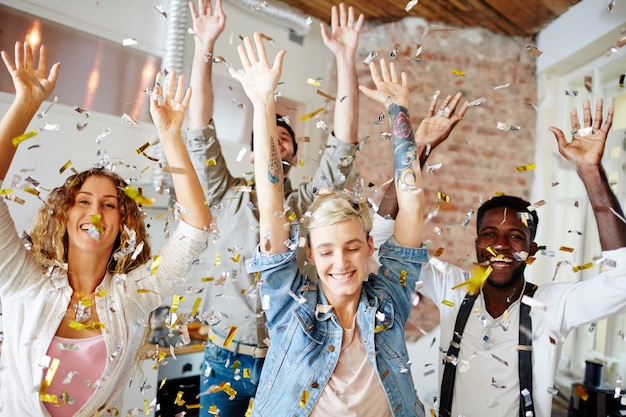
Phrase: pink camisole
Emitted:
{"points": [[81, 362]]}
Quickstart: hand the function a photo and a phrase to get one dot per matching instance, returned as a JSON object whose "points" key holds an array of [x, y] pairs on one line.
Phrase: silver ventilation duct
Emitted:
{"points": [[278, 12], [173, 57]]}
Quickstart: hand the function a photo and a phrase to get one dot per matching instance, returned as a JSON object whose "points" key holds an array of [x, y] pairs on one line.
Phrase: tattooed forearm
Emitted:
{"points": [[404, 148], [274, 165]]}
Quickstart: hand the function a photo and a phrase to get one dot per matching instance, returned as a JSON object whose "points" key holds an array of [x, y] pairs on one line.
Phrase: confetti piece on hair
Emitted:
{"points": [[312, 114], [507, 128], [533, 51], [65, 166], [326, 95], [370, 57], [130, 120], [21, 138], [410, 5], [527, 167], [458, 73]]}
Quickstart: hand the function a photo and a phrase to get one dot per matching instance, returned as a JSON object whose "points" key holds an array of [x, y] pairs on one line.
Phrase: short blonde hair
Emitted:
{"points": [[332, 208]]}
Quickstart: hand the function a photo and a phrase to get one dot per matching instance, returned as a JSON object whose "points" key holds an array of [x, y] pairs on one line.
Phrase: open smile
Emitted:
{"points": [[342, 277]]}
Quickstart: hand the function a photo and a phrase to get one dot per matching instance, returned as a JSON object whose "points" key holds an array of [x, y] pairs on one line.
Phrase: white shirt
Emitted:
{"points": [[567, 305], [33, 305]]}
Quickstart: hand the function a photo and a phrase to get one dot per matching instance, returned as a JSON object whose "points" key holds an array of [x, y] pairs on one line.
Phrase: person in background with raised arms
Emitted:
{"points": [[231, 300], [342, 337], [76, 299], [499, 347]]}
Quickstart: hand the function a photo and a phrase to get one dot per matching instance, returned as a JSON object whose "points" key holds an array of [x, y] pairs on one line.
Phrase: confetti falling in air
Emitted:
{"points": [[410, 5]]}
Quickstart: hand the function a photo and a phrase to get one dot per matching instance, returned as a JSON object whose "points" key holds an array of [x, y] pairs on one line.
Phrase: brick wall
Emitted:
{"points": [[478, 159]]}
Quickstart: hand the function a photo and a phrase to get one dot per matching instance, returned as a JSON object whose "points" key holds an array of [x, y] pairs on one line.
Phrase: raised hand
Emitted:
{"points": [[168, 110], [587, 145], [435, 128], [344, 36], [208, 23], [389, 89], [32, 82], [258, 78]]}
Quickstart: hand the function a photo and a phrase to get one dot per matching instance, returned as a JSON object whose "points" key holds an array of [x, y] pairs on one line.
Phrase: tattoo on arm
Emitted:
{"points": [[274, 165], [404, 148]]}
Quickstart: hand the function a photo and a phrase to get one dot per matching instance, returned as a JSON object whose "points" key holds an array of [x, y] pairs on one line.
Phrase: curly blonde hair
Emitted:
{"points": [[49, 228]]}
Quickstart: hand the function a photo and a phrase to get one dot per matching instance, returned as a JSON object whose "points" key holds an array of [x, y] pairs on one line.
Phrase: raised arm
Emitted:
{"points": [[586, 149], [432, 131], [343, 41], [168, 110], [32, 84], [259, 81], [394, 95], [208, 24]]}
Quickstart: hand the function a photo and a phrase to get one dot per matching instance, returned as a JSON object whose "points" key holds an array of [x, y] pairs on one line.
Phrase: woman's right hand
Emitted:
{"points": [[33, 84]]}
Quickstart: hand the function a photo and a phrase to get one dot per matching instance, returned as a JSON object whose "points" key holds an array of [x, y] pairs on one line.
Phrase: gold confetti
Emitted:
{"points": [[6, 191], [380, 328], [458, 73], [137, 196], [142, 148], [443, 197], [231, 336], [304, 398], [236, 257], [154, 265], [447, 303], [527, 167], [96, 221], [566, 249], [218, 259], [176, 300], [211, 162], [326, 95], [403, 278], [312, 114], [582, 392], [196, 306], [21, 138], [163, 381], [90, 326], [533, 51], [246, 373], [315, 82], [439, 252], [179, 398], [65, 166], [581, 267], [249, 410], [208, 279], [478, 276]]}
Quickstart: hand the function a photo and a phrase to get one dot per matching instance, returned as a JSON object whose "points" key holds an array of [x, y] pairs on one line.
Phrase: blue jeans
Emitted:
{"points": [[220, 366]]}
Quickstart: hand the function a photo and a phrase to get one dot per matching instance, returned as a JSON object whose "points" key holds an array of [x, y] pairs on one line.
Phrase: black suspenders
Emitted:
{"points": [[524, 349]]}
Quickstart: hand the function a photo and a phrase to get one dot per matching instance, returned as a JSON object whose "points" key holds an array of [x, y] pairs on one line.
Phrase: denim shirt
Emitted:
{"points": [[306, 335]]}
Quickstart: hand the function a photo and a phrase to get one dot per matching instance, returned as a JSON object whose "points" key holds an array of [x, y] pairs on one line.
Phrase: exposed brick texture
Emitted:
{"points": [[478, 159]]}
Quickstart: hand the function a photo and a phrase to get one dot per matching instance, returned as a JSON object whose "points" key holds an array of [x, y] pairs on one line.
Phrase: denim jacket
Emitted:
{"points": [[306, 335]]}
